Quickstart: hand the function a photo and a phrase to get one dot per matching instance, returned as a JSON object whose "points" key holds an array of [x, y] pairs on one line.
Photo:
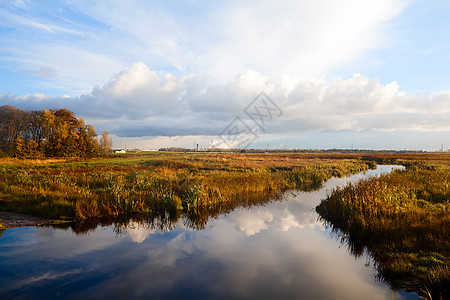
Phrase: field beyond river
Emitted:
{"points": [[158, 182]]}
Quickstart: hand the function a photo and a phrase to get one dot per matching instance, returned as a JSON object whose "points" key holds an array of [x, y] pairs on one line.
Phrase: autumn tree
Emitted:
{"points": [[87, 142], [56, 133], [105, 142], [32, 149], [11, 127], [35, 130], [19, 147]]}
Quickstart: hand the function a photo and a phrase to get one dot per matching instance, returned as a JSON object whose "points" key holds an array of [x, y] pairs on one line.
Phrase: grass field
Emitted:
{"points": [[149, 183]]}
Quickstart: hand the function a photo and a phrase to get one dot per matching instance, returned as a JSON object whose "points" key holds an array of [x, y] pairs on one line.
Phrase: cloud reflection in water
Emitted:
{"points": [[276, 251]]}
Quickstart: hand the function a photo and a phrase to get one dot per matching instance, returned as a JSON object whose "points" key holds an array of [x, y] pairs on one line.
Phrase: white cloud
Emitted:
{"points": [[140, 102], [287, 221], [298, 38], [174, 251], [294, 38], [252, 222], [138, 232], [35, 24]]}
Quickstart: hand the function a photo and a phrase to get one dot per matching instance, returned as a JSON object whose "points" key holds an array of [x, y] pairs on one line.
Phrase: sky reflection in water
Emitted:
{"points": [[275, 251]]}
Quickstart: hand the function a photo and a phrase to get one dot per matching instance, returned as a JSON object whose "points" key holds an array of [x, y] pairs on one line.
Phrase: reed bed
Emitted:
{"points": [[195, 184], [402, 219]]}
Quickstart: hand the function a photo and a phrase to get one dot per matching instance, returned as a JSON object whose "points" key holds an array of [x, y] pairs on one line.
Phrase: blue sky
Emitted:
{"points": [[418, 54], [375, 74]]}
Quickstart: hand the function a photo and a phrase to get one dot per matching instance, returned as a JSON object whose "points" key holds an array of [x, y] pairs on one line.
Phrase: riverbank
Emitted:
{"points": [[152, 183], [12, 220], [402, 219]]}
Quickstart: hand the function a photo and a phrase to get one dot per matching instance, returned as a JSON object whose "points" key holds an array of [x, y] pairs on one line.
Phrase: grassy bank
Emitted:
{"points": [[192, 183], [402, 219]]}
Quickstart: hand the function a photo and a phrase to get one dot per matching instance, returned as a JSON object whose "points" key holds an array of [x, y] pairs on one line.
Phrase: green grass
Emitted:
{"points": [[402, 219]]}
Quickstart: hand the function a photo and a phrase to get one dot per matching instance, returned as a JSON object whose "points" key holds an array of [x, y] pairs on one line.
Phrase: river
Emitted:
{"points": [[276, 251]]}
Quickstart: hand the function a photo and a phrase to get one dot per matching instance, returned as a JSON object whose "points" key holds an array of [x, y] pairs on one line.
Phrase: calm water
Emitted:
{"points": [[276, 251]]}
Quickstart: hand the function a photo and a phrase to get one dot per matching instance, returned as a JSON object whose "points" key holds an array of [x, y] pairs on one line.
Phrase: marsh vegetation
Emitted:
{"points": [[159, 182], [402, 219]]}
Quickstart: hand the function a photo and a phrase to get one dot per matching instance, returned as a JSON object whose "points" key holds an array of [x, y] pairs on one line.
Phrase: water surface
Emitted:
{"points": [[277, 251]]}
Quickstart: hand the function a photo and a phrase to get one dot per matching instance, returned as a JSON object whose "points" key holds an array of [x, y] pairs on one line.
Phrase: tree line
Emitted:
{"points": [[48, 133]]}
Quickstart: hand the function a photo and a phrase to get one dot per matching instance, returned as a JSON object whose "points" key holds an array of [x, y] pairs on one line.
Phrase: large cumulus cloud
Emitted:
{"points": [[142, 102]]}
